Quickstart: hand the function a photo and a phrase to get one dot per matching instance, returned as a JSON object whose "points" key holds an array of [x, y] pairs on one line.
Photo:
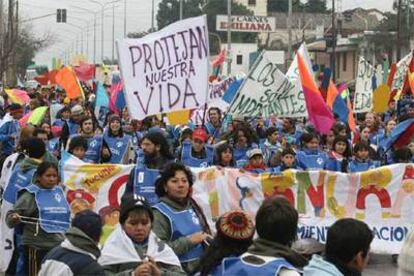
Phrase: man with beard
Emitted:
{"points": [[151, 158]]}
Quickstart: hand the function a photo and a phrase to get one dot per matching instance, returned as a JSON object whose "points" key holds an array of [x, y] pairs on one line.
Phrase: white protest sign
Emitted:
{"points": [[364, 86], [266, 92], [166, 70], [402, 67]]}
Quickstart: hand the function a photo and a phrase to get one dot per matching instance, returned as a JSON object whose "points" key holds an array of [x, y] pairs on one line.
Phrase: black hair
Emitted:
{"points": [[169, 172], [219, 150], [361, 146], [340, 138], [77, 142], [270, 131], [158, 138], [215, 108], [287, 151], [39, 130], [111, 119], [307, 137], [220, 248], [338, 127], [277, 220], [402, 155], [247, 133], [346, 238], [44, 166], [84, 119], [34, 147]]}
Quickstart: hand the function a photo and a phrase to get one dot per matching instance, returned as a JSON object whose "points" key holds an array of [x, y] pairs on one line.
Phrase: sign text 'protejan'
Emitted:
{"points": [[267, 92], [167, 70]]}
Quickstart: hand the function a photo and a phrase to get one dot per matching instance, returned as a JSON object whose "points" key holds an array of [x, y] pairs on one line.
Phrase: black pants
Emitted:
{"points": [[33, 259]]}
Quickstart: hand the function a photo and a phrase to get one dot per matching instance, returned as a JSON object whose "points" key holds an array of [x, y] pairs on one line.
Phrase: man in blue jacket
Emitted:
{"points": [[10, 129]]}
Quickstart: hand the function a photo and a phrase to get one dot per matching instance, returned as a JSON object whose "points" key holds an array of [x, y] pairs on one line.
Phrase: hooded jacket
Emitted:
{"points": [[77, 255]]}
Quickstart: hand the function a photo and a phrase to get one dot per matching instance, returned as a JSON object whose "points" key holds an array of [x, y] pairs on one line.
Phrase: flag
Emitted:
{"points": [[85, 72], [386, 68], [66, 78], [232, 90], [120, 100], [400, 136], [319, 114], [337, 103], [101, 103], [42, 79], [37, 115], [113, 92], [17, 96], [52, 76]]}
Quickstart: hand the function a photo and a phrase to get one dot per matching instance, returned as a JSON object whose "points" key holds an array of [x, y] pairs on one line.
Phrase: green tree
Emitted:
{"points": [[316, 6], [283, 5], [168, 12]]}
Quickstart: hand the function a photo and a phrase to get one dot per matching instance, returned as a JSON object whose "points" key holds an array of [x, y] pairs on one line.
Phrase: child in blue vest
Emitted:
{"points": [[271, 145], [339, 155], [44, 214], [197, 153], [78, 147], [361, 161], [311, 157], [119, 144], [235, 230], [288, 161], [270, 254]]}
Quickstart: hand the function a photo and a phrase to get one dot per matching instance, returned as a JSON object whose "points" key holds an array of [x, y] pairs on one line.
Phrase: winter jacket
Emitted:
{"points": [[76, 255], [320, 267]]}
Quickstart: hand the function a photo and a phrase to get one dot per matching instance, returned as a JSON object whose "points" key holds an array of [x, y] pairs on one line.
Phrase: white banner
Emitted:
{"points": [[166, 70], [247, 23], [400, 74], [267, 92], [363, 87]]}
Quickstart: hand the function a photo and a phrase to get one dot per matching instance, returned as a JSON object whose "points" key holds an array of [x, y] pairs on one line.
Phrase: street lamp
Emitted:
{"points": [[103, 19]]}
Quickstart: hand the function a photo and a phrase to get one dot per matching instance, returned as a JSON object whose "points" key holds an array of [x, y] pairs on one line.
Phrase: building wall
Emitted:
{"points": [[259, 8], [239, 52]]}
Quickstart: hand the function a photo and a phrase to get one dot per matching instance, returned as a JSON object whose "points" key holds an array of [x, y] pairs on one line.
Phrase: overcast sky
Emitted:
{"points": [[138, 19]]}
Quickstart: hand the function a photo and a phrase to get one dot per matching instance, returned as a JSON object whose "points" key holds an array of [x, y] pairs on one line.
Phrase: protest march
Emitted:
{"points": [[163, 164]]}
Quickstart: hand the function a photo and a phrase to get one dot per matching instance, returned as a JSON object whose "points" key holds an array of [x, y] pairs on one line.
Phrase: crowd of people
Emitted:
{"points": [[166, 232]]}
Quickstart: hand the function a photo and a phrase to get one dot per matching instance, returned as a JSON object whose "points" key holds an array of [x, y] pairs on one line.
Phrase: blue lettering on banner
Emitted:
{"points": [[385, 233]]}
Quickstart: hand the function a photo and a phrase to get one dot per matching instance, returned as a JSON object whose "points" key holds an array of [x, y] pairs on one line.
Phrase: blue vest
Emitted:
{"points": [[18, 180], [183, 223], [238, 266], [212, 131], [311, 160], [357, 166], [93, 154], [191, 161], [334, 164], [54, 210], [144, 183], [59, 123], [118, 147], [72, 127], [240, 156], [53, 145]]}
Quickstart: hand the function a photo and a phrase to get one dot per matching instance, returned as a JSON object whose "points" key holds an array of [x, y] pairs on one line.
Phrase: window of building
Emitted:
{"points": [[344, 61], [239, 59], [252, 3]]}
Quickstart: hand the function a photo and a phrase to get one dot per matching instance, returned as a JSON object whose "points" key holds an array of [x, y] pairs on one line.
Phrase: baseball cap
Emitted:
{"points": [[132, 201], [254, 152], [200, 134]]}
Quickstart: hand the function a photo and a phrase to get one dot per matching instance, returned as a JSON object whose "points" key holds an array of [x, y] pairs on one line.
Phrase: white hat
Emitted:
{"points": [[254, 152], [406, 257]]}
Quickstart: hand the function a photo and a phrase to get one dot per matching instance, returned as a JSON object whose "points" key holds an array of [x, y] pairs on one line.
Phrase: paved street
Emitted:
{"points": [[381, 265]]}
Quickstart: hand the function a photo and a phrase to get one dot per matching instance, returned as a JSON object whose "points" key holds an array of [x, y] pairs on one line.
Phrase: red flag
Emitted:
{"points": [[52, 76], [85, 71], [42, 79], [319, 114], [66, 78]]}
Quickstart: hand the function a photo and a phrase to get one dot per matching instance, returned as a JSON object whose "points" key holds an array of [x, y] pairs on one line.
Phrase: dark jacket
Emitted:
{"points": [[77, 255]]}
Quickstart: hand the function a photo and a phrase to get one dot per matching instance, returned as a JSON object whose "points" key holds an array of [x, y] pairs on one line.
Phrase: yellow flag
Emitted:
{"points": [[381, 98], [178, 117]]}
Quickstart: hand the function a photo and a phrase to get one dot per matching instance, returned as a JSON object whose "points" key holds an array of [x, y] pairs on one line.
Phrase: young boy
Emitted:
{"points": [[271, 145], [256, 163], [361, 161], [270, 254], [346, 252], [288, 161], [78, 147]]}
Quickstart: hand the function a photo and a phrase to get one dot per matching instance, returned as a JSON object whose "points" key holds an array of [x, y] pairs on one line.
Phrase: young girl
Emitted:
{"points": [[243, 142], [119, 144], [43, 213], [338, 157], [361, 162], [311, 157], [78, 147], [133, 249], [224, 156], [288, 161]]}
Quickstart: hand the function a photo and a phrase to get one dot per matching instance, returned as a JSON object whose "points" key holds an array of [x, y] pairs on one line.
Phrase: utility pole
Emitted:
{"points": [[113, 32], [289, 26], [228, 37], [399, 30], [125, 18], [152, 16], [1, 40], [333, 56], [181, 9]]}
